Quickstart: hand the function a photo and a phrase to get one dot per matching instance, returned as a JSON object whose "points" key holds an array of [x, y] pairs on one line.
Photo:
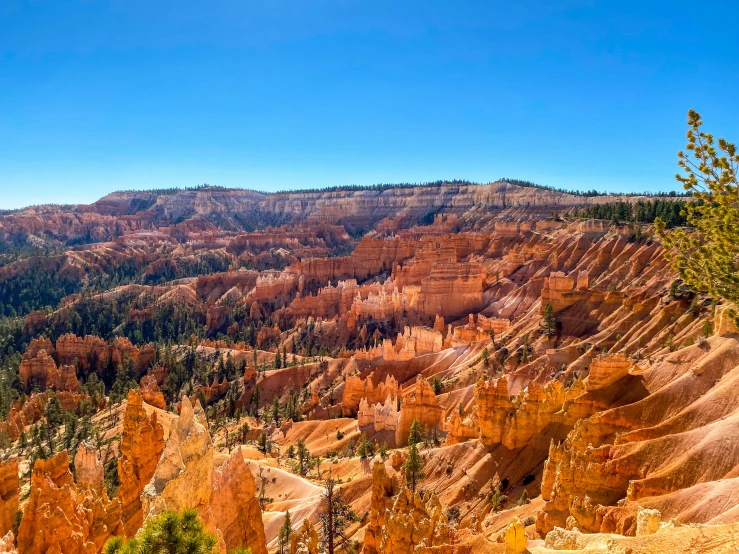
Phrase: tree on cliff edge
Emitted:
{"points": [[707, 259]]}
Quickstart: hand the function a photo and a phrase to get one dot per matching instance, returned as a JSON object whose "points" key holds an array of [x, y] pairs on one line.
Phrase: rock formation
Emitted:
{"points": [[62, 517], [7, 544], [185, 478], [83, 351], [36, 370], [234, 506], [151, 393], [305, 540], [460, 429], [606, 370], [356, 388], [182, 478], [381, 417], [22, 414], [647, 522], [422, 406], [384, 488], [515, 537], [514, 421], [41, 371], [88, 468], [10, 489], [141, 446], [415, 520]]}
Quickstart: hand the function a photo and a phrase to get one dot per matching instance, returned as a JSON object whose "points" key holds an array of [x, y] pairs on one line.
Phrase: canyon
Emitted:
{"points": [[234, 352]]}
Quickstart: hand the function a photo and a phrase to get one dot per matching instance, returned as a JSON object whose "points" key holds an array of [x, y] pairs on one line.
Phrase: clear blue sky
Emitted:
{"points": [[98, 96]]}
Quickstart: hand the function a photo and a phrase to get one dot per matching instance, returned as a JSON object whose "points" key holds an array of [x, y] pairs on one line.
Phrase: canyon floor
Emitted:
{"points": [[233, 352]]}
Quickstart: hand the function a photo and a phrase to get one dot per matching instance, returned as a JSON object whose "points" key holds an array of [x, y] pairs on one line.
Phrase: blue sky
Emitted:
{"points": [[100, 96]]}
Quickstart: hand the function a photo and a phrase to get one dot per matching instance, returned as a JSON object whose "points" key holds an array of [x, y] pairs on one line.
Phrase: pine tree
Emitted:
{"points": [[283, 538], [414, 435], [549, 323], [303, 458], [263, 443], [230, 368], [525, 349], [413, 467], [256, 398], [166, 533], [363, 446], [707, 259], [220, 369], [278, 361], [53, 412], [276, 410], [243, 432]]}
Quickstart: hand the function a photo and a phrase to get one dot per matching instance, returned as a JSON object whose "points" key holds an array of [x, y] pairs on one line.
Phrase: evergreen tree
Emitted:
{"points": [[256, 398], [124, 380], [303, 458], [283, 538], [414, 435], [413, 467], [525, 353], [230, 368], [276, 410], [243, 432], [292, 407], [53, 412], [707, 259], [263, 443], [549, 322], [363, 447], [220, 369], [167, 533]]}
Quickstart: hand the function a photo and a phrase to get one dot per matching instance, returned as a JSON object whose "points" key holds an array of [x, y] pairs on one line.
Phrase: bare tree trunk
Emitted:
{"points": [[330, 497]]}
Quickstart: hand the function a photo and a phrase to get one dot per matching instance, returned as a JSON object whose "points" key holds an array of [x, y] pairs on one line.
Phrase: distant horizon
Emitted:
{"points": [[162, 190], [105, 96]]}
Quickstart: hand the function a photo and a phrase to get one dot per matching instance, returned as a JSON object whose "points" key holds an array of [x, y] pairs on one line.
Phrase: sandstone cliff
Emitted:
{"points": [[141, 446], [63, 517], [10, 489], [188, 477]]}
